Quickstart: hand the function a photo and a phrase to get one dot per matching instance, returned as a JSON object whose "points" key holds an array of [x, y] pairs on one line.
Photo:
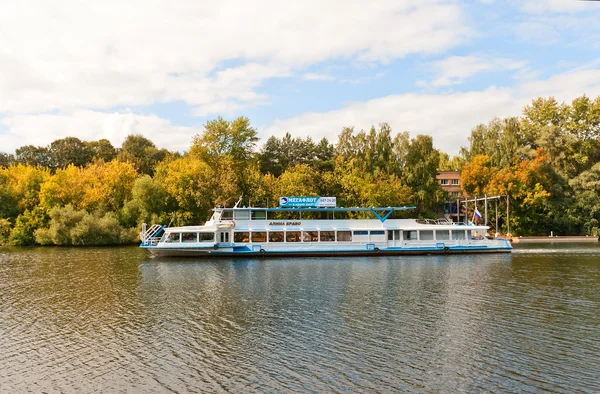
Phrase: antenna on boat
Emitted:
{"points": [[239, 201]]}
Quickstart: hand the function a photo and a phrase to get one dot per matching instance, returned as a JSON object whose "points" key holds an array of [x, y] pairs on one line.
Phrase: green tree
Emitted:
{"points": [[142, 153], [102, 150], [6, 159], [70, 150], [69, 226], [22, 234], [420, 173], [584, 214], [221, 137], [33, 156], [197, 187]]}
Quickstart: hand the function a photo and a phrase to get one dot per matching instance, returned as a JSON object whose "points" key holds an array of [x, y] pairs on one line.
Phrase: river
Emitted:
{"points": [[115, 320]]}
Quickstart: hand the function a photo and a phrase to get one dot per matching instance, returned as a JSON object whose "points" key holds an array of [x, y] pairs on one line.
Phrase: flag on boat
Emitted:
{"points": [[476, 215]]}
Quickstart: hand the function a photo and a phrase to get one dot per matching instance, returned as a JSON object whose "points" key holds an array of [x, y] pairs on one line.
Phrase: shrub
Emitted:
{"points": [[22, 233], [69, 226]]}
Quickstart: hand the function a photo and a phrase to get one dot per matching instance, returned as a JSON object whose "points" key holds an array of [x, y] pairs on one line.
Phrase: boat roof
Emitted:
{"points": [[317, 209]]}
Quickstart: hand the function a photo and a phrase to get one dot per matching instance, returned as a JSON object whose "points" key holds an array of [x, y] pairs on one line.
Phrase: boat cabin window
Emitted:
{"points": [[241, 236], [242, 215], [173, 238], [189, 237], [442, 235], [393, 235], [259, 236], [377, 232], [361, 232], [344, 236], [310, 236], [426, 235], [207, 237], [458, 234], [292, 236], [327, 236], [410, 235], [275, 236], [259, 215]]}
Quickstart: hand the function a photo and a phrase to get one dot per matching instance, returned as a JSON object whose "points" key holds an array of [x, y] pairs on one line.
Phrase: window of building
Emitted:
{"points": [[241, 236], [189, 237], [455, 181], [259, 236], [344, 236], [292, 236], [275, 236], [327, 236], [443, 181]]}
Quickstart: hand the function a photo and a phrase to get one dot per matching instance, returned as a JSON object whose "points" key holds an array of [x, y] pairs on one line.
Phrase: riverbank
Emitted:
{"points": [[554, 239]]}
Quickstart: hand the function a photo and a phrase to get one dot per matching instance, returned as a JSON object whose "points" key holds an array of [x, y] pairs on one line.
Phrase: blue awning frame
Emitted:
{"points": [[381, 213]]}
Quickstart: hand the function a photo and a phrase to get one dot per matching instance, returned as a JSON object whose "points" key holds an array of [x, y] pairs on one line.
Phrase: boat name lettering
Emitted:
{"points": [[307, 202], [284, 223]]}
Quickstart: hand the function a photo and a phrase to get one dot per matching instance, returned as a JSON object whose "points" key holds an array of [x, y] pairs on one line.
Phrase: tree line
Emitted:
{"points": [[75, 192]]}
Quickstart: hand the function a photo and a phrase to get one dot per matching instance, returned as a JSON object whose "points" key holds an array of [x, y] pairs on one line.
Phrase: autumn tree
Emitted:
{"points": [[142, 153]]}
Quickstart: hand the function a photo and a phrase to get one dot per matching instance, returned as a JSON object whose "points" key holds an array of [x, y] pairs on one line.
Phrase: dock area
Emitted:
{"points": [[555, 239]]}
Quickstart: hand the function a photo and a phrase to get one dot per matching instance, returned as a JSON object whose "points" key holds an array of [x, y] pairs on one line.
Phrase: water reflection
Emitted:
{"points": [[113, 319]]}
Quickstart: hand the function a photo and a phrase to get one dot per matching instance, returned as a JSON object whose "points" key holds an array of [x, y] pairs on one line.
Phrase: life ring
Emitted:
{"points": [[216, 247], [376, 250], [231, 224]]}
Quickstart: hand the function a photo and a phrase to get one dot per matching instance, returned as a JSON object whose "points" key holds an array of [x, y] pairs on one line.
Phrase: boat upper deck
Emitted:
{"points": [[256, 213]]}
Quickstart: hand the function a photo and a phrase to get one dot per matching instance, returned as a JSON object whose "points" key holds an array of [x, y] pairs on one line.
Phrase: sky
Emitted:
{"points": [[162, 69]]}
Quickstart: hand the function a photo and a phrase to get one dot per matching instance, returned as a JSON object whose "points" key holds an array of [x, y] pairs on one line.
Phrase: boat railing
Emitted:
{"points": [[150, 236], [445, 222]]}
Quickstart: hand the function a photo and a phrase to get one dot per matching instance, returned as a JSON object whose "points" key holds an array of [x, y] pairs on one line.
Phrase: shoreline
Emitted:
{"points": [[555, 239]]}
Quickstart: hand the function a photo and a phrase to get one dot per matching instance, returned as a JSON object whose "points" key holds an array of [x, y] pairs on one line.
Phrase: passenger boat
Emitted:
{"points": [[241, 231]]}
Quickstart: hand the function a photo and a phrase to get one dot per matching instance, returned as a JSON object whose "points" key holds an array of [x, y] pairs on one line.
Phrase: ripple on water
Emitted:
{"points": [[110, 319]]}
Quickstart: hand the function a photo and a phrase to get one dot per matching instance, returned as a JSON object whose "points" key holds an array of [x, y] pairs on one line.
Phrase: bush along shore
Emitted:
{"points": [[75, 192]]}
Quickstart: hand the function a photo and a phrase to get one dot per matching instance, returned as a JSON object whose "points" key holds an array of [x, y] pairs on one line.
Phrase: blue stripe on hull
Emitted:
{"points": [[244, 251]]}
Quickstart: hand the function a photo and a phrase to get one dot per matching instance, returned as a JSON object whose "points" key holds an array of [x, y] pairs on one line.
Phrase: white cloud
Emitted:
{"points": [[42, 129], [72, 55], [318, 77], [455, 70], [449, 117], [557, 6]]}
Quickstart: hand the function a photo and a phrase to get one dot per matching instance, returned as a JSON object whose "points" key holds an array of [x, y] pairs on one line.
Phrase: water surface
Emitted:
{"points": [[116, 320]]}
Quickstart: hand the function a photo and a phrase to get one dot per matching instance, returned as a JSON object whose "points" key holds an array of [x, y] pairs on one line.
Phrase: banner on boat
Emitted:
{"points": [[307, 202]]}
